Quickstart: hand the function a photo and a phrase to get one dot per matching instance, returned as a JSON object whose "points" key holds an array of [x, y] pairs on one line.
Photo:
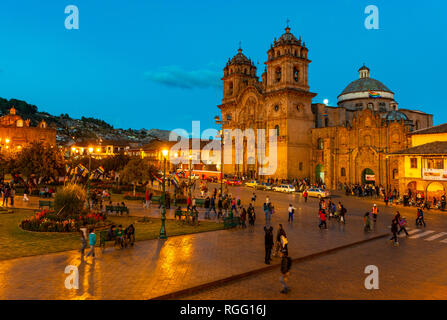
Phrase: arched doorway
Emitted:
{"points": [[368, 176], [435, 189], [319, 173]]}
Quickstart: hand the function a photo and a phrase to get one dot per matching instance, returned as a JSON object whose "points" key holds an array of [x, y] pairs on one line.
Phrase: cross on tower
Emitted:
{"points": [[240, 45], [287, 21]]}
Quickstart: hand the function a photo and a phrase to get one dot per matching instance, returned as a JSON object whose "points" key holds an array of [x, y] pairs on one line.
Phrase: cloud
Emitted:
{"points": [[174, 76]]}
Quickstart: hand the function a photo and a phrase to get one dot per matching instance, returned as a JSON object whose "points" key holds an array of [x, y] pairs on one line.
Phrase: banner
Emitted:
{"points": [[434, 174], [370, 177]]}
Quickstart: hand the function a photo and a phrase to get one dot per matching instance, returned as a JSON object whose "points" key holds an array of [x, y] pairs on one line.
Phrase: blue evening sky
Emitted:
{"points": [[157, 63]]}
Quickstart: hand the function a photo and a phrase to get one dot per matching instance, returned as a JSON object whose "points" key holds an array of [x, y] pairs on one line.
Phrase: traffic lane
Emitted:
{"points": [[417, 269]]}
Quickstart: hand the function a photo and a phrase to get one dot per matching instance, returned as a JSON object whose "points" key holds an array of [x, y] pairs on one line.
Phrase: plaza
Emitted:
{"points": [[202, 265]]}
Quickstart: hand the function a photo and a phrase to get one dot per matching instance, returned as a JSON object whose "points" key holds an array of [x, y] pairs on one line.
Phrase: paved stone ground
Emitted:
{"points": [[153, 268], [417, 269]]}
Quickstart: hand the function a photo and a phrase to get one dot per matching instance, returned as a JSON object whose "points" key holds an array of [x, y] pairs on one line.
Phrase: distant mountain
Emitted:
{"points": [[80, 129]]}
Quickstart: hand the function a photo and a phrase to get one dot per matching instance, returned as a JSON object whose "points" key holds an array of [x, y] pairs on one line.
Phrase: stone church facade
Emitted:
{"points": [[316, 141]]}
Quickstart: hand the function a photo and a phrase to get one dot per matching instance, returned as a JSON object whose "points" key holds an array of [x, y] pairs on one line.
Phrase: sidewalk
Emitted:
{"points": [[154, 268]]}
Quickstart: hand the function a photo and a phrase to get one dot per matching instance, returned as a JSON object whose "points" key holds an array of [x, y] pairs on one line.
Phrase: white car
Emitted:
{"points": [[284, 188], [318, 193]]}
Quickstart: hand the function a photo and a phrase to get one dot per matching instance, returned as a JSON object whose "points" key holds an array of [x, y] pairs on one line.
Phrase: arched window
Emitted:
{"points": [[295, 74], [395, 174], [301, 166], [277, 130], [278, 74], [320, 144], [343, 172], [230, 88]]}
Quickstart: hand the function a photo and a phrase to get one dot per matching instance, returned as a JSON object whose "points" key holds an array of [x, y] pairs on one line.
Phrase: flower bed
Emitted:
{"points": [[49, 221]]}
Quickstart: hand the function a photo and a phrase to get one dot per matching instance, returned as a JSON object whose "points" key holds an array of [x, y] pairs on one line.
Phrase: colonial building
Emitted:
{"points": [[342, 144], [350, 142], [16, 133], [423, 166]]}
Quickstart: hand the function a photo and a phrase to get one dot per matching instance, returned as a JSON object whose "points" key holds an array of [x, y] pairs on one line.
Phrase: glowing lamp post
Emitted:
{"points": [[90, 150], [221, 122], [163, 204]]}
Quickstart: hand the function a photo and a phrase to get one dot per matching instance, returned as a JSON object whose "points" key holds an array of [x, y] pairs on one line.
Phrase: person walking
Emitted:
{"points": [[394, 226], [305, 194], [12, 195], [268, 242], [253, 198], [26, 192], [213, 205], [374, 212], [207, 205], [146, 199], [286, 264], [84, 237], [420, 218], [268, 214], [291, 212], [219, 208], [92, 242], [366, 222], [401, 221], [322, 219], [251, 215], [243, 218], [279, 233]]}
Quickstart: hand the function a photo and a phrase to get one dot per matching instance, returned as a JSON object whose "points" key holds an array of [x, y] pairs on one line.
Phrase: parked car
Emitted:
{"points": [[211, 179], [318, 193], [264, 186], [233, 182], [284, 188], [251, 184]]}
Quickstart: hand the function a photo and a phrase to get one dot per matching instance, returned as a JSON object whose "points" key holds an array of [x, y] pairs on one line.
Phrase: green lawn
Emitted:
{"points": [[15, 242]]}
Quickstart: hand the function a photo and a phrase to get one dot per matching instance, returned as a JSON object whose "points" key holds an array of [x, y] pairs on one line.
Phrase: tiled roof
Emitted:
{"points": [[441, 128], [437, 147]]}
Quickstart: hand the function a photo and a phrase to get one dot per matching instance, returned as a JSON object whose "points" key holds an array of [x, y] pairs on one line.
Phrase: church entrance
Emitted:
{"points": [[368, 176], [319, 173]]}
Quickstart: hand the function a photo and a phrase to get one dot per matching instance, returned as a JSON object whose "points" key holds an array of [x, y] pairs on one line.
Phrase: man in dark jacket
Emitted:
{"points": [[268, 243], [286, 264]]}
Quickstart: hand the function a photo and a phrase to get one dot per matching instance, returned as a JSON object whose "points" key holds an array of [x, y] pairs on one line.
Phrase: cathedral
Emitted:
{"points": [[347, 143]]}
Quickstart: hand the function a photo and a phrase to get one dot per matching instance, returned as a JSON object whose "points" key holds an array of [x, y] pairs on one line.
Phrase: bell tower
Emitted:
{"points": [[287, 63], [239, 73]]}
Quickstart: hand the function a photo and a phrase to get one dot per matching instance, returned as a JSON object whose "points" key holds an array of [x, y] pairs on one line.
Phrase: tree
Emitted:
{"points": [[116, 162], [41, 160], [137, 170]]}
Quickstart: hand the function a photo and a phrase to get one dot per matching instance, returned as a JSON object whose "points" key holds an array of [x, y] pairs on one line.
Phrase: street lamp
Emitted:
{"points": [[90, 150], [221, 122], [163, 204], [175, 186], [189, 180]]}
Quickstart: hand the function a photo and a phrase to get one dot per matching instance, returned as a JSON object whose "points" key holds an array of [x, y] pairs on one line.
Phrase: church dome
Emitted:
{"points": [[240, 58], [395, 116], [365, 88], [287, 38], [365, 84]]}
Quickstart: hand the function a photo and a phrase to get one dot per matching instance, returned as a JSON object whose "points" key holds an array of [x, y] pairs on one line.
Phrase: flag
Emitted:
{"points": [[67, 168], [101, 170], [373, 94], [158, 179], [176, 180]]}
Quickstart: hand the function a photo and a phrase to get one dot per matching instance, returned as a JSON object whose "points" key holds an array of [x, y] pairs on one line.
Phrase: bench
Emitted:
{"points": [[104, 237], [182, 214], [117, 209], [46, 203], [156, 199], [200, 202], [231, 222]]}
